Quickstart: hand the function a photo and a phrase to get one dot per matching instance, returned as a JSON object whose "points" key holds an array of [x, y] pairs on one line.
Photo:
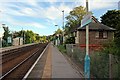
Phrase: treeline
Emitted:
{"points": [[28, 37]]}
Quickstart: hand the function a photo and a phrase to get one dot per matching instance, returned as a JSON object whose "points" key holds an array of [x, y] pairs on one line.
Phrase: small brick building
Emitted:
{"points": [[98, 34], [17, 41]]}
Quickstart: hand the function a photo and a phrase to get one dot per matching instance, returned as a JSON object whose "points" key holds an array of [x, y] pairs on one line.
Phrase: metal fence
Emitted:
{"points": [[102, 65], [76, 54]]}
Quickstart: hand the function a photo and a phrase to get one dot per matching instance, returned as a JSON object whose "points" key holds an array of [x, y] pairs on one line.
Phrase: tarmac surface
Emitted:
{"points": [[61, 68], [56, 66]]}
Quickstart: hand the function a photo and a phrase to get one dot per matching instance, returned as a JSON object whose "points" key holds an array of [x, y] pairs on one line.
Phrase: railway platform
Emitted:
{"points": [[56, 66]]}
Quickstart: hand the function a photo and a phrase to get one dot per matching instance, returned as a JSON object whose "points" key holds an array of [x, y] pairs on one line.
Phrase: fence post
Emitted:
{"points": [[110, 65]]}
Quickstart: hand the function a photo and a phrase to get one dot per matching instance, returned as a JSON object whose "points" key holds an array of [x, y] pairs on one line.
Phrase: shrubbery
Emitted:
{"points": [[70, 40]]}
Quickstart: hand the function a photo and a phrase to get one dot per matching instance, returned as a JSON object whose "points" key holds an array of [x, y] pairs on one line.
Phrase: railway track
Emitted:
{"points": [[17, 66], [6, 56]]}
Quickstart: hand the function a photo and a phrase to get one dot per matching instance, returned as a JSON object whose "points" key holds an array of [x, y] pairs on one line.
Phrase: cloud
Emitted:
{"points": [[7, 8], [100, 4], [54, 15], [51, 1], [51, 13], [32, 2], [37, 25], [28, 12], [8, 19], [40, 1]]}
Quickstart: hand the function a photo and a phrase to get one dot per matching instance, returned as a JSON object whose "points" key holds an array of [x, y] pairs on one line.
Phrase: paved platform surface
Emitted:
{"points": [[61, 68], [56, 66]]}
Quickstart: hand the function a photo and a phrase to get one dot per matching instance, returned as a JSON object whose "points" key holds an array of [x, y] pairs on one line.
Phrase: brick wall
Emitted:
{"points": [[93, 41]]}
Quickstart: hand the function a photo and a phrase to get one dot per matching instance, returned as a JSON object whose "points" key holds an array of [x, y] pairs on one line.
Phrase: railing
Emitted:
{"points": [[101, 64]]}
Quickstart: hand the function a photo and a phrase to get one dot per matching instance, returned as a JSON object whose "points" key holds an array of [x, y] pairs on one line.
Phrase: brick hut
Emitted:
{"points": [[98, 34]]}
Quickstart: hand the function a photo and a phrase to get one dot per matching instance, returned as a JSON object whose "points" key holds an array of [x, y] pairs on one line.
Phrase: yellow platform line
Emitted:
{"points": [[47, 73]]}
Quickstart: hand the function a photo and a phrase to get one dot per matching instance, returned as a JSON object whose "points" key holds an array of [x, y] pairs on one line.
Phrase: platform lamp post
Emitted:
{"points": [[57, 36], [12, 36], [57, 26], [63, 25], [23, 37], [87, 58]]}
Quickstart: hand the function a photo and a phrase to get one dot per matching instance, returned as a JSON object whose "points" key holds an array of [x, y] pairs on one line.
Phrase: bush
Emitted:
{"points": [[62, 48], [70, 40], [99, 65], [111, 47]]}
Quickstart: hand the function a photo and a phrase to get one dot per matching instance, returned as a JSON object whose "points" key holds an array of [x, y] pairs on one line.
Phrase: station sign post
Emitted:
{"points": [[87, 19]]}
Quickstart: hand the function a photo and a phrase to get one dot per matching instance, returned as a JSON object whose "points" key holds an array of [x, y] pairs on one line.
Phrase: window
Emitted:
{"points": [[105, 34], [101, 35], [97, 35], [75, 33]]}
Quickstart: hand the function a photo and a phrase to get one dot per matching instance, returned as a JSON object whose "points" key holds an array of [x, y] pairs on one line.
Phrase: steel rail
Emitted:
{"points": [[14, 52], [18, 65], [29, 71]]}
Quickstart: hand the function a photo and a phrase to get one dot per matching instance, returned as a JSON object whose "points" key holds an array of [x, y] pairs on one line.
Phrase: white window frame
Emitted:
{"points": [[105, 34], [97, 34]]}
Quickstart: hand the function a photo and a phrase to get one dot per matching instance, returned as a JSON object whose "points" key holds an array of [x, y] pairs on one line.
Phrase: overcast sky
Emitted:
{"points": [[42, 16]]}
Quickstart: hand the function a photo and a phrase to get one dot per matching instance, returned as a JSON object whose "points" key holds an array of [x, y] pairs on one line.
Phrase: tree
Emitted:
{"points": [[50, 38], [6, 35], [73, 21], [112, 19], [74, 18], [19, 34], [43, 39], [37, 38], [59, 35], [70, 40], [59, 31], [29, 37]]}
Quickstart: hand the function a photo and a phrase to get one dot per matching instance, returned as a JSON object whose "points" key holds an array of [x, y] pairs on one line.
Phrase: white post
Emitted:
{"points": [[87, 40], [87, 58], [87, 32]]}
